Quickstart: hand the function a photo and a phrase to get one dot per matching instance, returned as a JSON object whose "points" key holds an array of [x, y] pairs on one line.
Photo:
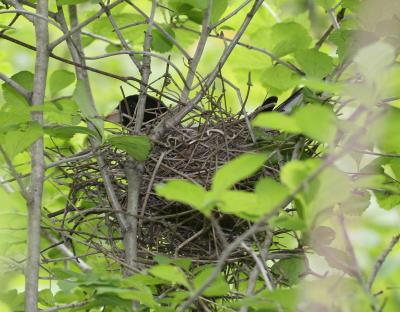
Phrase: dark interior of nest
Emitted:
{"points": [[193, 153]]}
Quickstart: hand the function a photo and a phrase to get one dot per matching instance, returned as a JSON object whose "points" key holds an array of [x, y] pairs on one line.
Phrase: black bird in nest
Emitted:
{"points": [[125, 113]]}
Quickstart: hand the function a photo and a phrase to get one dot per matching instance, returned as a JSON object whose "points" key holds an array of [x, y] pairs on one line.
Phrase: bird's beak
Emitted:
{"points": [[114, 116]]}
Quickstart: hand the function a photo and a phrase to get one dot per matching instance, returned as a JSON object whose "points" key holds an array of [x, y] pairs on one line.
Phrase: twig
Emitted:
{"points": [[379, 262], [78, 27], [67, 306], [20, 89]]}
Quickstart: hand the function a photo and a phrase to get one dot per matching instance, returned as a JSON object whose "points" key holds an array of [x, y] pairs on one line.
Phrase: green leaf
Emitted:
{"points": [[66, 132], [12, 97], [314, 63], [170, 273], [60, 79], [385, 130], [375, 59], [184, 192], [278, 121], [280, 77], [353, 5], [46, 297], [289, 269], [329, 188], [270, 194], [63, 111], [136, 146], [289, 37], [160, 42], [196, 9], [289, 222], [219, 287], [18, 140], [237, 170], [326, 4], [317, 122], [240, 203]]}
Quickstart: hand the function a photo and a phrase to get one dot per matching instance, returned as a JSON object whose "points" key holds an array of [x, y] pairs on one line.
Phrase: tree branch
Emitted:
{"points": [[37, 156]]}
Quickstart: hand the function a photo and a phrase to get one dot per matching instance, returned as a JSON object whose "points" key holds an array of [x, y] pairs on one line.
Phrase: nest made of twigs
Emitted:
{"points": [[193, 153]]}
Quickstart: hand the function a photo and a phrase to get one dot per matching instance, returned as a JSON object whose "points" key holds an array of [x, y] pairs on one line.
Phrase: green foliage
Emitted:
{"points": [[303, 121], [314, 63], [137, 147], [60, 79], [336, 154]]}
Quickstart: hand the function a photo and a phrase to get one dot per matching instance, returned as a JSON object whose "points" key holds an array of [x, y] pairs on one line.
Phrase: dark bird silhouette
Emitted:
{"points": [[125, 113]]}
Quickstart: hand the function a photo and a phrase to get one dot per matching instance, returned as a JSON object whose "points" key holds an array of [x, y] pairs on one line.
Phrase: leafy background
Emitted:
{"points": [[290, 32]]}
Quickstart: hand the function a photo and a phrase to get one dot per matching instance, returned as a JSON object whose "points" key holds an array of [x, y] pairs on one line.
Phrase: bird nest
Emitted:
{"points": [[187, 152]]}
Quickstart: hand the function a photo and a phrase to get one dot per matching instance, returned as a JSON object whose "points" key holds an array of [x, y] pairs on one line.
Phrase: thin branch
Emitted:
{"points": [[162, 30], [230, 15], [20, 89], [86, 22], [180, 112], [379, 262], [35, 15], [15, 174], [67, 306], [120, 36], [64, 249]]}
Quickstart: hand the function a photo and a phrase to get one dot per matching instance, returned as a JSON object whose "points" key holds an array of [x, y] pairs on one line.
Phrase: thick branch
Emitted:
{"points": [[37, 156]]}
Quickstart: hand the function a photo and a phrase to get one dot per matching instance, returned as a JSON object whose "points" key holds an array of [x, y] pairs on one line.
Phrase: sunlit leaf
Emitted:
{"points": [[169, 273], [289, 37], [136, 146], [61, 79], [219, 287], [237, 170], [67, 132], [314, 63], [184, 192], [18, 140]]}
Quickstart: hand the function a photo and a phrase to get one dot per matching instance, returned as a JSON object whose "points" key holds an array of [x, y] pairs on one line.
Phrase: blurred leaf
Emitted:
{"points": [[160, 42], [375, 59], [353, 5], [60, 79], [169, 273], [236, 170], [289, 37], [136, 146], [67, 132], [240, 203], [314, 63], [63, 111], [289, 269], [18, 140], [270, 193], [289, 222], [12, 97], [385, 130], [46, 297], [184, 192], [219, 287], [276, 120], [317, 122], [326, 4], [280, 77]]}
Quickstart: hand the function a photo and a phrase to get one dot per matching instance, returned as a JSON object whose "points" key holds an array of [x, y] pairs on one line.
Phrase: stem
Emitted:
{"points": [[37, 155]]}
